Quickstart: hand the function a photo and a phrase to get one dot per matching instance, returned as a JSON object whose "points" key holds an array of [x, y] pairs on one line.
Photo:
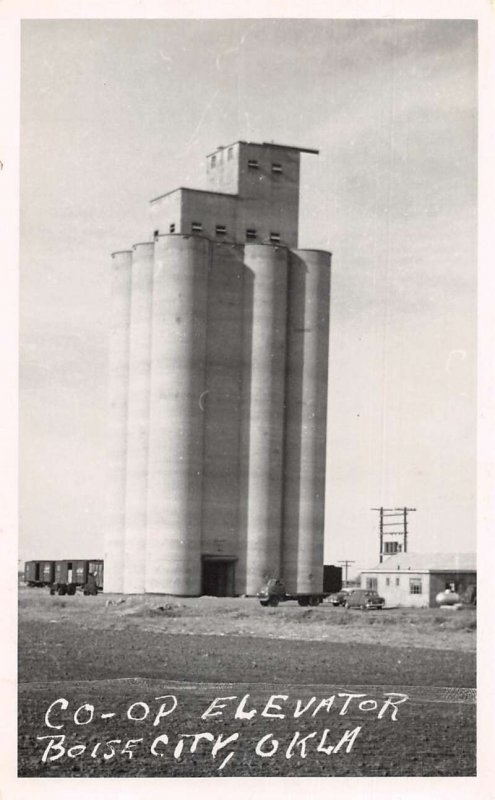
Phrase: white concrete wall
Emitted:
{"points": [[224, 176], [399, 595], [166, 211]]}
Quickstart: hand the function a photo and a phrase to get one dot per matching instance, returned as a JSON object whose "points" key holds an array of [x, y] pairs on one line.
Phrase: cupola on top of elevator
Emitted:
{"points": [[252, 195]]}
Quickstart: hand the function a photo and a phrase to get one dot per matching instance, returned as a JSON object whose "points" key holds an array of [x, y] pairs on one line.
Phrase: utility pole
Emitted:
{"points": [[346, 565], [397, 520]]}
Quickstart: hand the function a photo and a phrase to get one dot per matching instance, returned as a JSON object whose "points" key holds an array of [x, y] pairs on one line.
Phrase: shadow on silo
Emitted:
{"points": [[245, 425], [194, 374], [293, 419], [222, 417], [262, 423]]}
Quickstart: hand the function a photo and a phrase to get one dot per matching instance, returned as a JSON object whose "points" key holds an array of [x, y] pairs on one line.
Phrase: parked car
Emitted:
{"points": [[365, 599], [339, 598]]}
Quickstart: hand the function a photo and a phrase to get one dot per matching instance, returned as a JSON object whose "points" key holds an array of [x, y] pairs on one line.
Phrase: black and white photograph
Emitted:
{"points": [[248, 343]]}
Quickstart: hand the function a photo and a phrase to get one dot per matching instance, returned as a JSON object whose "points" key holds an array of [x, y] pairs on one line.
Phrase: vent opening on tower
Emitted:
{"points": [[172, 228], [277, 168], [196, 227], [250, 233], [220, 230], [253, 163], [275, 237]]}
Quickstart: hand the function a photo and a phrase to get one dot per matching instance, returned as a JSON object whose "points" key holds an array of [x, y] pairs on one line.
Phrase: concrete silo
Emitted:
{"points": [[118, 381], [138, 418], [175, 454], [306, 413], [221, 403], [262, 418]]}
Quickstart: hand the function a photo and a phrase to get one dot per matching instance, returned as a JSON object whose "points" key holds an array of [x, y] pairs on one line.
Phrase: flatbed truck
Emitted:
{"points": [[274, 592]]}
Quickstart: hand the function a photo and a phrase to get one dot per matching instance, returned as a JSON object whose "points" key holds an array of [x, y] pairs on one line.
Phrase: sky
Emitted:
{"points": [[114, 113]]}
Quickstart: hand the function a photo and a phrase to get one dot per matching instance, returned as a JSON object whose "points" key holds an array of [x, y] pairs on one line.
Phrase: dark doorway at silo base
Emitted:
{"points": [[218, 576]]}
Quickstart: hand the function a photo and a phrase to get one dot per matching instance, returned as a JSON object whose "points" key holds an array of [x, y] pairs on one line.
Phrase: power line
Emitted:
{"points": [[399, 523], [346, 566]]}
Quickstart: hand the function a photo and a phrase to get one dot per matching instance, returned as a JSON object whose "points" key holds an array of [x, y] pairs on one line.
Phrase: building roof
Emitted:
{"points": [[266, 144], [427, 562], [197, 191]]}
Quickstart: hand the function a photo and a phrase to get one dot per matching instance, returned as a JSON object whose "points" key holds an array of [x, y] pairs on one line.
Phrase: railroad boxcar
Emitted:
{"points": [[96, 566], [39, 573], [83, 568], [47, 570], [69, 575], [64, 576], [32, 573], [64, 572]]}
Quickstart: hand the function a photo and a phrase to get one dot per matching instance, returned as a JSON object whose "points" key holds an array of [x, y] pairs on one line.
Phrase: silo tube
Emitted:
{"points": [[221, 403], [118, 379], [138, 418], [305, 425], [175, 454], [263, 393]]}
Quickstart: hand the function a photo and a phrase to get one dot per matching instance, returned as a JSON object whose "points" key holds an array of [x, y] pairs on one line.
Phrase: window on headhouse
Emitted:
{"points": [[415, 586], [213, 161], [196, 227], [230, 153], [252, 163], [397, 581], [275, 237], [220, 230], [251, 233], [172, 228], [277, 168], [372, 583], [155, 234], [387, 581]]}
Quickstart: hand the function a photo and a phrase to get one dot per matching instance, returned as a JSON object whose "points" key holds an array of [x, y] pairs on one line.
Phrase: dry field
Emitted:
{"points": [[442, 629], [106, 655]]}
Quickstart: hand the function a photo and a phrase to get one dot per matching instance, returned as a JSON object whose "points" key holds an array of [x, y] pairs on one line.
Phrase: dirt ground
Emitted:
{"points": [[440, 629], [102, 654]]}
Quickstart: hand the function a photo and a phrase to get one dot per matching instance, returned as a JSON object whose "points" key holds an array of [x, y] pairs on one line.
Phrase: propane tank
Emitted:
{"points": [[447, 598]]}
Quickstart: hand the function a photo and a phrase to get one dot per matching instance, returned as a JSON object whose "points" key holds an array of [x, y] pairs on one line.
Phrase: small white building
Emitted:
{"points": [[415, 579]]}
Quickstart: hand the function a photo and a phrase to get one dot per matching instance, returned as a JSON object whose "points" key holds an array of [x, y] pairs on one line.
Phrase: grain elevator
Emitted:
{"points": [[218, 359]]}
